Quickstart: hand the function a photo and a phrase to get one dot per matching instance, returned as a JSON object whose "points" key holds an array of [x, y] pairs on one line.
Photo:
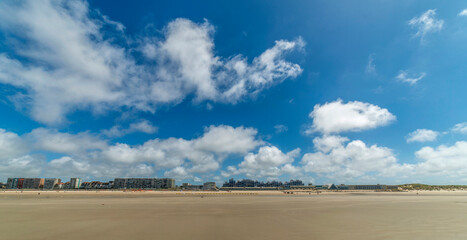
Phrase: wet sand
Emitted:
{"points": [[265, 215]]}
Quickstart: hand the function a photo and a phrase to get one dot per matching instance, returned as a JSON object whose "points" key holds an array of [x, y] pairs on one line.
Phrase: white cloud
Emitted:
{"points": [[269, 162], [70, 166], [180, 173], [11, 145], [54, 141], [336, 117], [14, 160], [463, 13], [371, 67], [74, 64], [90, 168], [404, 77], [281, 128], [226, 139], [460, 128], [188, 53], [426, 23], [203, 154], [328, 142], [26, 165], [422, 135], [143, 126], [338, 161], [89, 156], [449, 161]]}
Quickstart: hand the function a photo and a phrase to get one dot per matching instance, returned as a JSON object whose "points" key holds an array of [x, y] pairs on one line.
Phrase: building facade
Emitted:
{"points": [[209, 186], [12, 183], [75, 183], [49, 183], [32, 183], [143, 183]]}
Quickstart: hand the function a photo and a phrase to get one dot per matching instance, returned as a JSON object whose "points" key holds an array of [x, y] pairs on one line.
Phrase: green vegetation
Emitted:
{"points": [[419, 186]]}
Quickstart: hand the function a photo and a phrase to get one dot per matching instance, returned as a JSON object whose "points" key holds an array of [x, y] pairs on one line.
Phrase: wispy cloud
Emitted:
{"points": [[73, 61], [371, 66], [280, 128], [404, 77], [143, 126], [460, 128], [426, 23], [463, 13]]}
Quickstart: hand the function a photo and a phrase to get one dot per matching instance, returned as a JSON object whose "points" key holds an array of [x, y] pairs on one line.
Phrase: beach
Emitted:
{"points": [[233, 215]]}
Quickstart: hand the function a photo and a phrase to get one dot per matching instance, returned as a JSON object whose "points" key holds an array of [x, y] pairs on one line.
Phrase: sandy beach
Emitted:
{"points": [[235, 215]]}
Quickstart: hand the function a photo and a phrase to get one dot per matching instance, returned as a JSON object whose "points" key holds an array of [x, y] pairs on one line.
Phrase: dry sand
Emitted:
{"points": [[265, 215]]}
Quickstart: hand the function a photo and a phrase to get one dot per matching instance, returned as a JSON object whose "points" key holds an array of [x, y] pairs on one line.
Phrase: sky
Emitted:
{"points": [[359, 92]]}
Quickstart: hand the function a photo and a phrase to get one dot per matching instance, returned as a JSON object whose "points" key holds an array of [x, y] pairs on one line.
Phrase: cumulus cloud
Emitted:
{"points": [[11, 145], [426, 23], [199, 155], [15, 159], [87, 155], [337, 160], [182, 174], [444, 160], [27, 165], [460, 128], [228, 139], [54, 141], [403, 76], [422, 135], [269, 162], [78, 59], [336, 117], [327, 143]]}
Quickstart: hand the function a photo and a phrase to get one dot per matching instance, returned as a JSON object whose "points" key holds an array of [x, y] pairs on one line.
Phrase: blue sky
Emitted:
{"points": [[328, 92]]}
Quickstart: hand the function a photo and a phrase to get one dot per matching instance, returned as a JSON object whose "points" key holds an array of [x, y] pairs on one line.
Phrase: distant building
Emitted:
{"points": [[66, 185], [20, 183], [143, 183], [33, 183], [165, 183], [205, 186], [294, 183], [15, 183], [75, 183], [248, 183], [12, 183], [191, 187], [96, 185], [2, 185], [209, 186], [49, 183]]}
